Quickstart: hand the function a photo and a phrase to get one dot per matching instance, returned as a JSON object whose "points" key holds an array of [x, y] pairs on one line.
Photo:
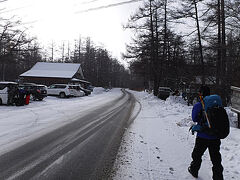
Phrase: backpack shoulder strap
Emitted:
{"points": [[204, 111]]}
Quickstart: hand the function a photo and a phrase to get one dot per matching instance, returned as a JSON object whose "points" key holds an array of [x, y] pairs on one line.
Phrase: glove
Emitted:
{"points": [[195, 128]]}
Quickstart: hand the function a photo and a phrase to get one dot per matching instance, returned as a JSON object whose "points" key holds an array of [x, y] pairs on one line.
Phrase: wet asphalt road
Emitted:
{"points": [[83, 149]]}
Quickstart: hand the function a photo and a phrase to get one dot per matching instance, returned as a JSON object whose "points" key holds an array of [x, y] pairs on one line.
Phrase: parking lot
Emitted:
{"points": [[12, 93], [24, 123]]}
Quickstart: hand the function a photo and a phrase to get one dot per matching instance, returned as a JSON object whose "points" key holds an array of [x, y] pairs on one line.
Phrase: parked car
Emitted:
{"points": [[164, 92], [28, 87], [61, 90], [90, 87], [86, 91], [37, 91], [77, 90], [86, 85], [7, 92]]}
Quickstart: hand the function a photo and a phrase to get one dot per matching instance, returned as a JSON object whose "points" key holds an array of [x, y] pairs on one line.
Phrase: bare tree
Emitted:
{"points": [[189, 9], [12, 40]]}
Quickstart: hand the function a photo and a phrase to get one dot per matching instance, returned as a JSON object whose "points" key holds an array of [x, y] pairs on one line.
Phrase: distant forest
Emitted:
{"points": [[159, 55], [207, 52], [19, 52]]}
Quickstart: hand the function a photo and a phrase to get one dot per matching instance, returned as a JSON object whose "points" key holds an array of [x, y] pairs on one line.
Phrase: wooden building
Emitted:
{"points": [[52, 73]]}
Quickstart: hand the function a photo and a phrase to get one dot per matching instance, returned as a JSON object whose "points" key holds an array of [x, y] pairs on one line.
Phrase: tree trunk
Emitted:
{"points": [[152, 55], [79, 50], [224, 70], [3, 72], [63, 52], [52, 49], [219, 52], [165, 42], [200, 42], [223, 39]]}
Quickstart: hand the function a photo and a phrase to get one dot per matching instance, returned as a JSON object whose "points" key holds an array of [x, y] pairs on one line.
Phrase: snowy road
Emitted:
{"points": [[83, 148]]}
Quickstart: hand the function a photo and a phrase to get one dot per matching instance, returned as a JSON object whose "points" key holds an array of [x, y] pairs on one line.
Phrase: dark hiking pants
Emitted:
{"points": [[213, 147]]}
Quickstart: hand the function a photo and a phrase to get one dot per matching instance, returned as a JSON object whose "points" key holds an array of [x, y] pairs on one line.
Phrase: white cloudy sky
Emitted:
{"points": [[62, 20]]}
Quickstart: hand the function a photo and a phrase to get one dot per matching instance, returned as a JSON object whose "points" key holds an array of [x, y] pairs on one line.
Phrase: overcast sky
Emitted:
{"points": [[64, 20]]}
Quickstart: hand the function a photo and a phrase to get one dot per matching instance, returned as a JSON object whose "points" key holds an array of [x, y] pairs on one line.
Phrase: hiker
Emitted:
{"points": [[205, 141], [21, 99]]}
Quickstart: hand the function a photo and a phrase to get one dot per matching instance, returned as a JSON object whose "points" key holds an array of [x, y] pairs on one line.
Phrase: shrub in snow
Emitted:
{"points": [[176, 99], [232, 117]]}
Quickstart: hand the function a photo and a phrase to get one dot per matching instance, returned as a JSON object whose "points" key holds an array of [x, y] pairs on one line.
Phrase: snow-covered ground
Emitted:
{"points": [[158, 144], [22, 124]]}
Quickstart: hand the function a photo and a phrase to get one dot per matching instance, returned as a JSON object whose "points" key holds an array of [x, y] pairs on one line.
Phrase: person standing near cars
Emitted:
{"points": [[11, 94], [21, 100]]}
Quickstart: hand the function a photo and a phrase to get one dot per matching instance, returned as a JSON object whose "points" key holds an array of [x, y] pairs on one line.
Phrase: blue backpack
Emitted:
{"points": [[217, 116]]}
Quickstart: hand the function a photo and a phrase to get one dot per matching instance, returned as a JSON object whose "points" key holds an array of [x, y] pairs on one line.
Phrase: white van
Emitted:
{"points": [[4, 89]]}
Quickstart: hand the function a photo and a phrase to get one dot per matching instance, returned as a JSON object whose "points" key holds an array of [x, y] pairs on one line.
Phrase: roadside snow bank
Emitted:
{"points": [[176, 99], [158, 144], [98, 90], [232, 117]]}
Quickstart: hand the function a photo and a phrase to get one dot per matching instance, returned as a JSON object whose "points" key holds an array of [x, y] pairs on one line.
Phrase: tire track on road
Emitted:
{"points": [[33, 158]]}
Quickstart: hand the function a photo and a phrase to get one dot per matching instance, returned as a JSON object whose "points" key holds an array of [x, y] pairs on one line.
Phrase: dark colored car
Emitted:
{"points": [[86, 91], [90, 87], [38, 92], [164, 92]]}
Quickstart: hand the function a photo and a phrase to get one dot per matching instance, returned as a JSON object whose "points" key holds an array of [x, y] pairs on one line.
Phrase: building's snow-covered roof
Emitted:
{"points": [[55, 70], [7, 82], [79, 80]]}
